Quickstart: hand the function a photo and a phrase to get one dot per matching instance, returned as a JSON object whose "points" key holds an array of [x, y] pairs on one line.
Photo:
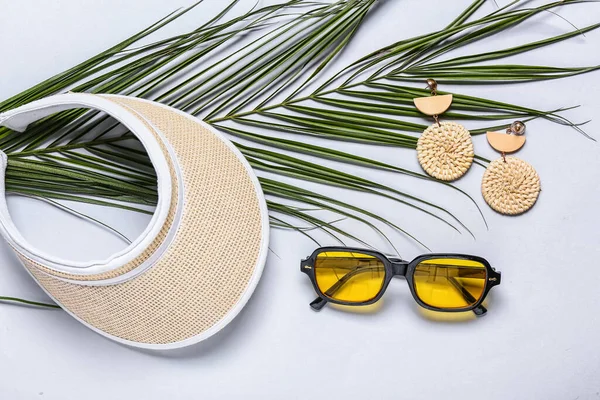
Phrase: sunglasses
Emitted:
{"points": [[439, 282]]}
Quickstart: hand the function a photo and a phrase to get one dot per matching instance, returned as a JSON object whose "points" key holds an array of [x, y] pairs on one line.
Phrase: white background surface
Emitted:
{"points": [[540, 339]]}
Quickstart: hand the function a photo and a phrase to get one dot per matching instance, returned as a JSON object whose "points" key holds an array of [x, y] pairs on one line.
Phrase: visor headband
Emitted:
{"points": [[198, 262], [19, 119]]}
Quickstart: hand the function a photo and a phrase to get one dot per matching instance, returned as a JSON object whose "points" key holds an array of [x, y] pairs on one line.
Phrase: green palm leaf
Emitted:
{"points": [[263, 89]]}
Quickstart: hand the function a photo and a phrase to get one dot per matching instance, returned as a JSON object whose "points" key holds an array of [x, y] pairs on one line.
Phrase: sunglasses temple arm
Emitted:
{"points": [[344, 279], [318, 303], [480, 309]]}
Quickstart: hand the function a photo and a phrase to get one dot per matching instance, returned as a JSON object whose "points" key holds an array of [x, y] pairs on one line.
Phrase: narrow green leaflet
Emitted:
{"points": [[264, 75]]}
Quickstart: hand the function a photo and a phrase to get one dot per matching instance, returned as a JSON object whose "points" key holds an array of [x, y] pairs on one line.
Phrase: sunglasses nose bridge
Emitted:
{"points": [[399, 267]]}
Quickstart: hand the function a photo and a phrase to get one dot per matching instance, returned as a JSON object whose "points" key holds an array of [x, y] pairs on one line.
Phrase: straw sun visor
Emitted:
{"points": [[196, 264]]}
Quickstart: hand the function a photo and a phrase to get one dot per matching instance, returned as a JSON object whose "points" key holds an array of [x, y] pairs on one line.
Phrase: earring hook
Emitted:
{"points": [[432, 85], [518, 128]]}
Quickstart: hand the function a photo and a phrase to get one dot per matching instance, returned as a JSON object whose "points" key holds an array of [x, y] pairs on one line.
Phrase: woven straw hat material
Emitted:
{"points": [[213, 262], [445, 151], [159, 240], [19, 120]]}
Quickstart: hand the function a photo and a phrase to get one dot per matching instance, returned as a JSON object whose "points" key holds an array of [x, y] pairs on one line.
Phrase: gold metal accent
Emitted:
{"points": [[492, 279], [432, 85], [307, 267], [505, 143], [518, 128], [433, 105]]}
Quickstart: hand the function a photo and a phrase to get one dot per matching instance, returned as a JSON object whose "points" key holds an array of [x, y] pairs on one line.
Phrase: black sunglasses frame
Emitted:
{"points": [[398, 267]]}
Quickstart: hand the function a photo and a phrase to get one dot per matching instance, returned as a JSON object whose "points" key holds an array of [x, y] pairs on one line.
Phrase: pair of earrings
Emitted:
{"points": [[445, 151]]}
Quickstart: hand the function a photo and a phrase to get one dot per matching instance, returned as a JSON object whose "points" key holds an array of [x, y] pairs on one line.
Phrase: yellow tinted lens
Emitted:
{"points": [[450, 283], [349, 277]]}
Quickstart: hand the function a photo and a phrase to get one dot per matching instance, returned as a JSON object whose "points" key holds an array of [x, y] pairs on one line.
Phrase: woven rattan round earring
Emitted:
{"points": [[445, 149], [510, 185]]}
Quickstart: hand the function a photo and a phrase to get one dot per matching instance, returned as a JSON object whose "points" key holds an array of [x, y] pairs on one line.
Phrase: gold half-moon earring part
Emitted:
{"points": [[505, 143], [433, 105]]}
